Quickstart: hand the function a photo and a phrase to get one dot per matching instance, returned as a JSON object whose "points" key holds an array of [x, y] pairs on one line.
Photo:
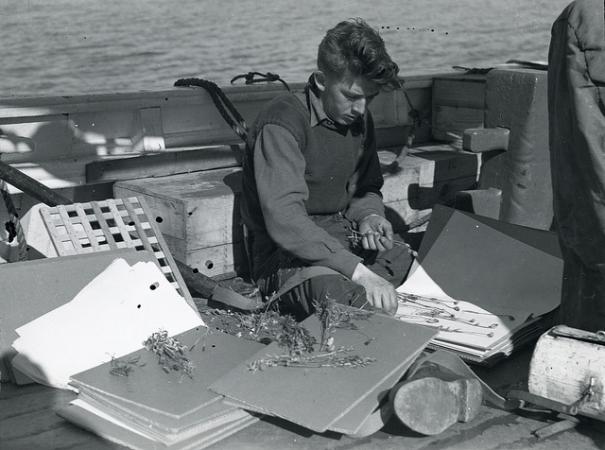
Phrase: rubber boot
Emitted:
{"points": [[434, 398]]}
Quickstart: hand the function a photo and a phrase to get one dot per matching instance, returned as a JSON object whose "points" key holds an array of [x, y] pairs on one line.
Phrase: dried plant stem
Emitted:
{"points": [[339, 357]]}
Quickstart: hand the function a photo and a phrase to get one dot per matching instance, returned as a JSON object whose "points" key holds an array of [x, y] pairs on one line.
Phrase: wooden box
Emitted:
{"points": [[426, 175], [458, 103], [198, 215]]}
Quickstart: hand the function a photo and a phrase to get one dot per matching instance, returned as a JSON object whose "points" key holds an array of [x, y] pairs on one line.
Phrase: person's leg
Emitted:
{"points": [[299, 301], [583, 294], [392, 265]]}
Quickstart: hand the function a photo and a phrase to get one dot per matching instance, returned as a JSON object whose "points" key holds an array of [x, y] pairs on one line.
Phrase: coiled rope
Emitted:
{"points": [[222, 103], [257, 77]]}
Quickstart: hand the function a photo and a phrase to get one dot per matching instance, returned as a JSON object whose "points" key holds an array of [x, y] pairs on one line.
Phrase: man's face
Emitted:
{"points": [[346, 98]]}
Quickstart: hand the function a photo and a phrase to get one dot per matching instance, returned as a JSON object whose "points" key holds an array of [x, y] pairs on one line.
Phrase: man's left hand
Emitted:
{"points": [[377, 233]]}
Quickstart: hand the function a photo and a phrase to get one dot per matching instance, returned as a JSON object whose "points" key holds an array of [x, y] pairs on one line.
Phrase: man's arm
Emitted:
{"points": [[366, 207], [279, 168]]}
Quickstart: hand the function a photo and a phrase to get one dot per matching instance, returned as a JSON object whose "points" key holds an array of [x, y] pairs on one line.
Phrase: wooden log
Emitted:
{"points": [[568, 366], [31, 186]]}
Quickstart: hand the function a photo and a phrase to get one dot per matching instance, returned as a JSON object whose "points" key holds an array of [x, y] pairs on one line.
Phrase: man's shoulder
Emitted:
{"points": [[289, 112], [285, 107]]}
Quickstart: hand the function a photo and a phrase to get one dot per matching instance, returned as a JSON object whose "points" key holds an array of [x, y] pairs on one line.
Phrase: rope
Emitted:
{"points": [[14, 228], [222, 103], [414, 114], [257, 77]]}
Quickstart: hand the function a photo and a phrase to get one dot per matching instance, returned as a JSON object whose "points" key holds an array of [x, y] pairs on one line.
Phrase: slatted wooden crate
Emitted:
{"points": [[108, 225]]}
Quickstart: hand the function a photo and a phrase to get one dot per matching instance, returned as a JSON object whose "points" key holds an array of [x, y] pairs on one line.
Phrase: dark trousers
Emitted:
{"points": [[583, 296], [393, 265]]}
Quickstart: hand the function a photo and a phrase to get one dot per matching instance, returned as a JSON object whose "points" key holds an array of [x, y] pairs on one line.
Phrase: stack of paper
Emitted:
{"points": [[484, 285], [108, 318], [330, 398], [26, 297], [155, 408]]}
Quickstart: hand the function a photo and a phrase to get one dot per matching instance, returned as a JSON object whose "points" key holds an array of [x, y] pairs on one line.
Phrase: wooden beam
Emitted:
{"points": [[164, 163]]}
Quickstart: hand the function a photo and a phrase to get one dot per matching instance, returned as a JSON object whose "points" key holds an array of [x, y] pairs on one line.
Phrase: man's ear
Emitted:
{"points": [[320, 80]]}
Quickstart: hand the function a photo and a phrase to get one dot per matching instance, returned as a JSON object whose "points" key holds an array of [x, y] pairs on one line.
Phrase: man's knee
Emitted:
{"points": [[300, 301], [338, 288]]}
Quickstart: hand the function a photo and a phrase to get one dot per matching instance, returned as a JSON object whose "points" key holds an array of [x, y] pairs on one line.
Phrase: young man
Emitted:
{"points": [[312, 183], [315, 218]]}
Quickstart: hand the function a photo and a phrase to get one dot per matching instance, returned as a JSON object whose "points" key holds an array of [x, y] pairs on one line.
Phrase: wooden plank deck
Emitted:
{"points": [[28, 421]]}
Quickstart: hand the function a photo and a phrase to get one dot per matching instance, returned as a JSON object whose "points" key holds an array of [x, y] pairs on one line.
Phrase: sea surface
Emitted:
{"points": [[62, 47]]}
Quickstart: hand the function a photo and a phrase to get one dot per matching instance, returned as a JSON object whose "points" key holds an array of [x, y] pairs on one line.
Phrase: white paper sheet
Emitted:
{"points": [[469, 325], [109, 318]]}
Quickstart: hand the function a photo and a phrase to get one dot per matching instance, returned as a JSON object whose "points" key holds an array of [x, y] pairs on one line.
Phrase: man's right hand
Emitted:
{"points": [[379, 292]]}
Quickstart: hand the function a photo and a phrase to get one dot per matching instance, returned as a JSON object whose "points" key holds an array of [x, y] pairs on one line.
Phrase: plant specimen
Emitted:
{"points": [[123, 367], [170, 352]]}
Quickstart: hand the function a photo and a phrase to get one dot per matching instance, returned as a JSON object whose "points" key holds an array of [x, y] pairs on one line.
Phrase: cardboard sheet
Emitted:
{"points": [[33, 288], [355, 418], [496, 266], [109, 318], [316, 398]]}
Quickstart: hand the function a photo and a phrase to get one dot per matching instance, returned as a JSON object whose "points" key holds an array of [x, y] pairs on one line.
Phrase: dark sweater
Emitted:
{"points": [[299, 167]]}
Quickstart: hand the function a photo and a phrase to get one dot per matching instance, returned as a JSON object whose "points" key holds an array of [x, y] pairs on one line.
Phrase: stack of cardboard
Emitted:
{"points": [[486, 285], [155, 407]]}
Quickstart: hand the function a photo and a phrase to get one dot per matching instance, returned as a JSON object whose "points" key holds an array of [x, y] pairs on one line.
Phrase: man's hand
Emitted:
{"points": [[377, 233], [379, 292]]}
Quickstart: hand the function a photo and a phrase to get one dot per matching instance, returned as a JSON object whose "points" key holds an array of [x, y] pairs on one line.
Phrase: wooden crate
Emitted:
{"points": [[458, 103], [427, 175], [198, 215]]}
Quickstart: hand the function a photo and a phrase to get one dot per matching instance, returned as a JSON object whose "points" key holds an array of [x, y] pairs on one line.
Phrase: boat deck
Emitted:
{"points": [[28, 421]]}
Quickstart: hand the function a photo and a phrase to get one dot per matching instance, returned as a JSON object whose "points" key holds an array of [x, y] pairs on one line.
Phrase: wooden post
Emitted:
{"points": [[30, 186]]}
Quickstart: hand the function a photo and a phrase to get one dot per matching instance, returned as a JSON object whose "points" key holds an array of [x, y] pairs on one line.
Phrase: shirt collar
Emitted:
{"points": [[318, 115]]}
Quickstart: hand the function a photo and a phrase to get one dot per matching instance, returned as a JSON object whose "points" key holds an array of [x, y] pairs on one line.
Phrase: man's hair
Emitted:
{"points": [[355, 46]]}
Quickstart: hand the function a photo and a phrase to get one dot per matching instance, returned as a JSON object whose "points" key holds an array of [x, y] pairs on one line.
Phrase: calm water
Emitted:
{"points": [[52, 47]]}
